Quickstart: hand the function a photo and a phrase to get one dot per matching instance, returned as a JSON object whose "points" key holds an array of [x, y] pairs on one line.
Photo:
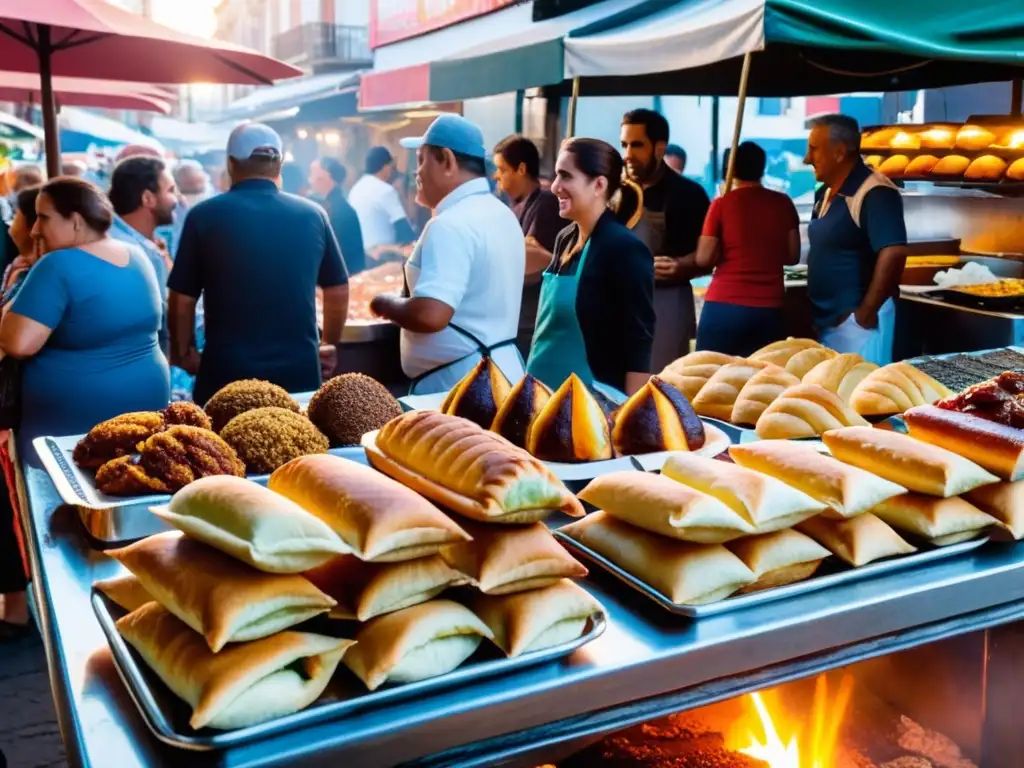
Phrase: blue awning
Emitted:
{"points": [[80, 129], [291, 94]]}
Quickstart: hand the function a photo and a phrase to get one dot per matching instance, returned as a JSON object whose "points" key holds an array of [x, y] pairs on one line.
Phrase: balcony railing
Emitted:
{"points": [[321, 45]]}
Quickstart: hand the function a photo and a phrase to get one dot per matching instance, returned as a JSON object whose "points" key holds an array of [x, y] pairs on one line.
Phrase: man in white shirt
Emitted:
{"points": [[464, 280], [377, 204]]}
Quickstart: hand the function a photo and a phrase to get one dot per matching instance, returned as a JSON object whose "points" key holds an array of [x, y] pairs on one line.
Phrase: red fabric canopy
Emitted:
{"points": [[24, 88], [95, 39]]}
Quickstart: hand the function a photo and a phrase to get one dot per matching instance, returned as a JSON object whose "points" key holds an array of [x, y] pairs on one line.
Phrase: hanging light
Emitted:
{"points": [[302, 134]]}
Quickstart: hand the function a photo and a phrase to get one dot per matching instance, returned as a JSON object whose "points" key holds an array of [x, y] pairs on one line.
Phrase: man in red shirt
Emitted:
{"points": [[749, 235]]}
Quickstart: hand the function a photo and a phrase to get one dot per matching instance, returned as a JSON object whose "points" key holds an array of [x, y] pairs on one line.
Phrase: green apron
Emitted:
{"points": [[558, 348]]}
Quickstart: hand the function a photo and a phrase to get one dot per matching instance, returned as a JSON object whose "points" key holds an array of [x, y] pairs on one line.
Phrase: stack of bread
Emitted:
{"points": [[521, 577], [796, 388], [575, 423]]}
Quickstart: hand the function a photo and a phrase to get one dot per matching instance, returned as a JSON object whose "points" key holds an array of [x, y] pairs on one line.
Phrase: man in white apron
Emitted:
{"points": [[858, 242], [674, 211], [464, 280]]}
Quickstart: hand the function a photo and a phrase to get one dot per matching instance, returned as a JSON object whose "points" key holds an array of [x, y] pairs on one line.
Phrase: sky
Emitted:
{"points": [[193, 16]]}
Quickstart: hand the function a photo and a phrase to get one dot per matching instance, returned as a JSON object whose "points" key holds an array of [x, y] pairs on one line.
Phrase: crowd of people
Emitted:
{"points": [[590, 277]]}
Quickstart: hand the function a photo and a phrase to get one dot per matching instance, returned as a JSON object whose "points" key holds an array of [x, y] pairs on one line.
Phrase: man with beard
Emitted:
{"points": [[144, 196], [674, 211]]}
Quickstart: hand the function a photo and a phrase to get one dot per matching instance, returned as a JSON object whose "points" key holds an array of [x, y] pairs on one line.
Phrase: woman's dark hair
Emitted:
{"points": [[70, 194], [519, 150], [26, 203], [596, 158]]}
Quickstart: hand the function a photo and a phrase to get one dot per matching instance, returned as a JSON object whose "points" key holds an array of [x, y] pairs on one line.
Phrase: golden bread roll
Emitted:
{"points": [[520, 408], [937, 137], [940, 521], [845, 490], [479, 394], [224, 600], [781, 352], [661, 505], [424, 641], [691, 372], [471, 471], [379, 519], [921, 166], [718, 396], [841, 374], [915, 465], [760, 392], [873, 161], [571, 427], [125, 591], [805, 410], [879, 138], [986, 168], [657, 417], [974, 138], [993, 446], [364, 590], [893, 389], [1016, 170], [804, 361], [685, 573], [951, 166], [765, 502], [905, 139], [1004, 501], [537, 619], [894, 166], [857, 541], [504, 560], [779, 558], [243, 685], [252, 524]]}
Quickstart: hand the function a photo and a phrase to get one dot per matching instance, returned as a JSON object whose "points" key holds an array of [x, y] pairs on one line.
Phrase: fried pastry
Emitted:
{"points": [[805, 410], [717, 398], [246, 395], [858, 541], [779, 558], [479, 394], [761, 391], [245, 684], [1004, 501], [126, 477], [469, 470], [571, 427], [940, 521], [116, 437], [894, 389], [780, 352], [519, 409], [537, 619], [841, 374], [426, 640], [656, 418], [126, 591], [691, 372], [187, 414]]}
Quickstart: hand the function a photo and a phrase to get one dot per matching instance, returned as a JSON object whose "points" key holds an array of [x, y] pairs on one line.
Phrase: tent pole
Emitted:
{"points": [[741, 103], [48, 105], [571, 121], [715, 130], [1016, 94]]}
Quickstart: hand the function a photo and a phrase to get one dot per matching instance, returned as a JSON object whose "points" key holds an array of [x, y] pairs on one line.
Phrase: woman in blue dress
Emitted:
{"points": [[85, 320]]}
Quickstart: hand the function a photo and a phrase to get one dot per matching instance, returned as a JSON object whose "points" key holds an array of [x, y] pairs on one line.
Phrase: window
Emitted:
{"points": [[773, 107]]}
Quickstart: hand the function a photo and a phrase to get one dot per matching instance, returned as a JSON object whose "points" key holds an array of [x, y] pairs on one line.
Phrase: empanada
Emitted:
{"points": [[940, 521], [246, 683], [378, 518], [1004, 501], [717, 398], [364, 590], [537, 619], [666, 507], [768, 504], [224, 600], [469, 470], [252, 524], [779, 558], [426, 640], [858, 541], [511, 559], [687, 574], [126, 591]]}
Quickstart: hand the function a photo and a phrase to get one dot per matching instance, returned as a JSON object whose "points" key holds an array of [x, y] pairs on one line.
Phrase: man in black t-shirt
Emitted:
{"points": [[674, 211]]}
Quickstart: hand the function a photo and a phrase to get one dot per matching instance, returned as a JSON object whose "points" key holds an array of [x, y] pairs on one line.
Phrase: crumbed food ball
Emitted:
{"points": [[246, 395], [348, 406], [266, 438], [186, 414]]}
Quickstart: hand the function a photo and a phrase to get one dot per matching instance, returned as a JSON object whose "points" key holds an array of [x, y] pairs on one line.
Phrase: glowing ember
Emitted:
{"points": [[794, 749]]}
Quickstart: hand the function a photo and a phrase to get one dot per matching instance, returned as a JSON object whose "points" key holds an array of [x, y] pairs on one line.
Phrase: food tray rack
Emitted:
{"points": [[830, 574], [1011, 304]]}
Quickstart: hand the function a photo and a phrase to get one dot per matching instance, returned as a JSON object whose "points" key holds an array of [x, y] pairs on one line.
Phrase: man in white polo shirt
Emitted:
{"points": [[376, 202], [464, 280]]}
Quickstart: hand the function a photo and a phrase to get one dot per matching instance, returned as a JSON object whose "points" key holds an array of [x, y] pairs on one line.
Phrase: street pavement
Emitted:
{"points": [[29, 737]]}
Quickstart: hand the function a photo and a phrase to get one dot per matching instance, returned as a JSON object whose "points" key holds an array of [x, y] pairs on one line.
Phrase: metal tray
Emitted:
{"points": [[1010, 304], [167, 716], [831, 573]]}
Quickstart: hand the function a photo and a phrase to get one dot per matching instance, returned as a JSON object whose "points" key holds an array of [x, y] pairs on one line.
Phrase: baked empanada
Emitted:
{"points": [[1004, 501], [779, 558], [858, 541], [940, 521], [126, 591]]}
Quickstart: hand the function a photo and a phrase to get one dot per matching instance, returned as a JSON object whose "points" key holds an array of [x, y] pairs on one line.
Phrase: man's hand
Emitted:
{"points": [[189, 362], [668, 269], [377, 305], [865, 318], [328, 360]]}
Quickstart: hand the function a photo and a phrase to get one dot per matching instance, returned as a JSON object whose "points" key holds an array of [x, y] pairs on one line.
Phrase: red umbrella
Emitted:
{"points": [[24, 88], [94, 39]]}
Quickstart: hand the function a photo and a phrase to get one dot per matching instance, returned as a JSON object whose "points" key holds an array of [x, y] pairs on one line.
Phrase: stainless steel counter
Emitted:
{"points": [[647, 661]]}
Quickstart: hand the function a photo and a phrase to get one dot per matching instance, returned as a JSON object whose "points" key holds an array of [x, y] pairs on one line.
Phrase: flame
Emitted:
{"points": [[818, 749]]}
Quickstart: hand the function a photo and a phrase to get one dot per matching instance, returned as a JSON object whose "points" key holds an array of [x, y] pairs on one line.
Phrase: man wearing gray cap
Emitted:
{"points": [[464, 280], [256, 255]]}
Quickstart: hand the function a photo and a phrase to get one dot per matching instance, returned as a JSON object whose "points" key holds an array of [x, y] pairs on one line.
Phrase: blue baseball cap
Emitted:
{"points": [[254, 140], [452, 132]]}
